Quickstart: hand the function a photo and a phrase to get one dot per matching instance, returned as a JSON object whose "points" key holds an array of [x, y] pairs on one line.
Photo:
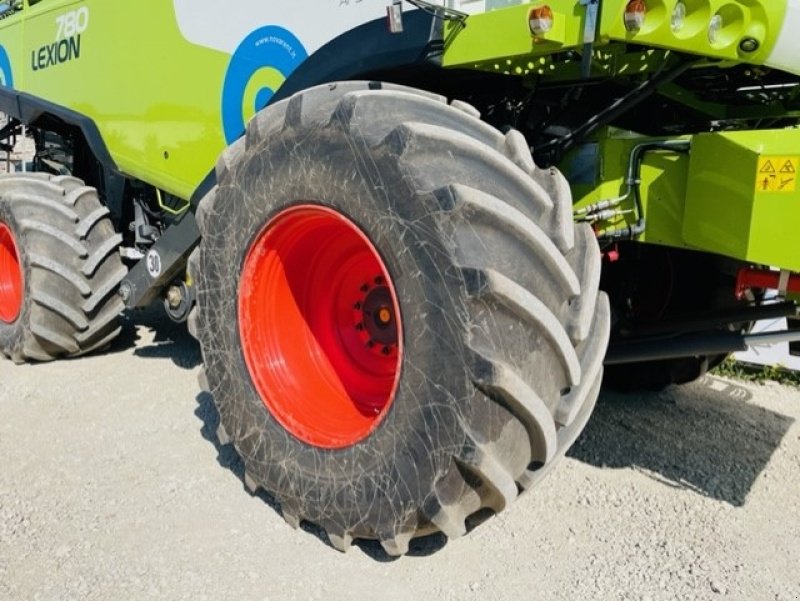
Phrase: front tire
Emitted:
{"points": [[62, 269], [503, 331]]}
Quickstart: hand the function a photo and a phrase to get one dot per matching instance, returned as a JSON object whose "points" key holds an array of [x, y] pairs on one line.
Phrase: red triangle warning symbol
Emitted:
{"points": [[767, 167], [788, 167]]}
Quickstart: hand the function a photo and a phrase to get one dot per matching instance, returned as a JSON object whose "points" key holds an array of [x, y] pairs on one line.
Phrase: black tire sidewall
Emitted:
{"points": [[422, 430]]}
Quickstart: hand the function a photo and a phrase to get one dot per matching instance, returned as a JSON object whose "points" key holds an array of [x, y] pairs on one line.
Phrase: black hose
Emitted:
{"points": [[622, 105], [633, 182]]}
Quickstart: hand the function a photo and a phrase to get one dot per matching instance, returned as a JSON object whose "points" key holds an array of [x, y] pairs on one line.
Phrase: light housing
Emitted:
{"points": [[540, 20], [678, 16], [714, 28], [635, 14]]}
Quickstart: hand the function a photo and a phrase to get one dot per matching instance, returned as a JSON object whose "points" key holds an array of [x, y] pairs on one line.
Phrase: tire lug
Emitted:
{"points": [[222, 435], [250, 483], [340, 540]]}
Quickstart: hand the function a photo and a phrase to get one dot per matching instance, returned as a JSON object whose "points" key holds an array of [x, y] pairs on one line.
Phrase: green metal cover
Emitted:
{"points": [[750, 209]]}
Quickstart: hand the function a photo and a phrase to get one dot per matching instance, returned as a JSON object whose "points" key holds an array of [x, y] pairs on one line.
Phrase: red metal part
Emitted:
{"points": [[611, 255], [753, 277], [320, 326], [11, 280]]}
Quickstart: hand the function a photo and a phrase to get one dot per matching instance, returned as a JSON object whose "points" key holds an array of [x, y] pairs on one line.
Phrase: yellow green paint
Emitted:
{"points": [[154, 96], [501, 40]]}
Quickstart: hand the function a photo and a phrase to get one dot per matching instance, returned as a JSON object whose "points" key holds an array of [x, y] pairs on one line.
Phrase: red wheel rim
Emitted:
{"points": [[11, 282], [320, 327]]}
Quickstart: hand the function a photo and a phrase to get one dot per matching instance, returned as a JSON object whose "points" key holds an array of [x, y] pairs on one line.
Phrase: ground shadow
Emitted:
{"points": [[164, 340], [706, 437], [170, 340], [128, 336], [229, 459]]}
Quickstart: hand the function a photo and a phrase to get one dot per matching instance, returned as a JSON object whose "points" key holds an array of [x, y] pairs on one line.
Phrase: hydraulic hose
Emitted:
{"points": [[633, 182]]}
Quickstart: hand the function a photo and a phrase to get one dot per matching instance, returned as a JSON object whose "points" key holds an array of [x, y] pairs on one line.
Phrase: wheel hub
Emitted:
{"points": [[375, 317], [320, 326], [11, 282]]}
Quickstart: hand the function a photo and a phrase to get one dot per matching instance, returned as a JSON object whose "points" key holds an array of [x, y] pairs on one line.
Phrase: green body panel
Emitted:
{"points": [[154, 96], [501, 40], [598, 172], [730, 212], [711, 199]]}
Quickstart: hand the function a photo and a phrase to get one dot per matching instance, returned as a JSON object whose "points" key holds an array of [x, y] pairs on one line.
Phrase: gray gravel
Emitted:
{"points": [[115, 487]]}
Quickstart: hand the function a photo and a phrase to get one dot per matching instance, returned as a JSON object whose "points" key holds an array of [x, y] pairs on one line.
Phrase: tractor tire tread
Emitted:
{"points": [[69, 252], [547, 288]]}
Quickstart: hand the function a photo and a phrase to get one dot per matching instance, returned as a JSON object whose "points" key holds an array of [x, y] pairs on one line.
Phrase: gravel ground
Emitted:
{"points": [[115, 487]]}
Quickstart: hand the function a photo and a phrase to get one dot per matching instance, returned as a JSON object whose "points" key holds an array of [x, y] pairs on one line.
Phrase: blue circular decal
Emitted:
{"points": [[269, 47], [6, 77]]}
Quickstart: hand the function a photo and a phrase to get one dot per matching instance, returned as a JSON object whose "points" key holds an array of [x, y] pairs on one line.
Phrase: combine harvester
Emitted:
{"points": [[403, 232]]}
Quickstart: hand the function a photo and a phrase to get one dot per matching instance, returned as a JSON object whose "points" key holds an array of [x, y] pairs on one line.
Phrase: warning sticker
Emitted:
{"points": [[777, 174]]}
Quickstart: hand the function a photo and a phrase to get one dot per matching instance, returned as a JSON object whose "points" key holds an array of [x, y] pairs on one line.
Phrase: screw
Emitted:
{"points": [[357, 306], [386, 350]]}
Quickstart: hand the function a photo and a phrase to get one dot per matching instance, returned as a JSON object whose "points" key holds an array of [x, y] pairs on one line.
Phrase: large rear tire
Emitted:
{"points": [[60, 269], [500, 331]]}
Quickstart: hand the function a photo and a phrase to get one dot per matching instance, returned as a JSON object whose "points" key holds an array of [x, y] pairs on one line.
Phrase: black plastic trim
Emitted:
{"points": [[28, 109], [370, 48]]}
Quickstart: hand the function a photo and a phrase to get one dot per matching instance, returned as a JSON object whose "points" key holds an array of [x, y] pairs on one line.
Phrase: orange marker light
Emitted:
{"points": [[635, 13], [541, 20]]}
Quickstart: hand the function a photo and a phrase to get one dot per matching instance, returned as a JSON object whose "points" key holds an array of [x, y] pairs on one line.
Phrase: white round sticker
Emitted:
{"points": [[153, 263]]}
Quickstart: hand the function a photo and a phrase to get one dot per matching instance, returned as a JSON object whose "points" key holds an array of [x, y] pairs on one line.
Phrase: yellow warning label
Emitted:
{"points": [[777, 174]]}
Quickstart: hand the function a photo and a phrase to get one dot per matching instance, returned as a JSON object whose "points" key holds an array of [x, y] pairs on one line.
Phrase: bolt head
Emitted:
{"points": [[749, 45]]}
